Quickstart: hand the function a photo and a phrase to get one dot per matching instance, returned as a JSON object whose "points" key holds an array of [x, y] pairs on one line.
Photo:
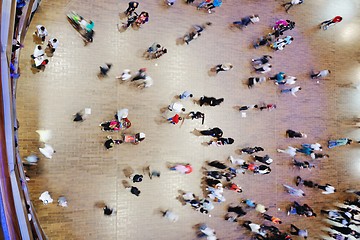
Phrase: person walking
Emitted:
{"points": [[181, 168], [221, 141], [339, 142], [299, 232], [346, 231], [223, 67], [273, 219], [328, 189], [104, 69], [320, 74], [263, 68], [214, 132], [244, 108], [134, 190], [175, 119], [171, 216], [293, 191], [328, 23], [176, 107], [186, 95], [288, 5], [290, 151], [293, 134], [291, 90], [132, 6]]}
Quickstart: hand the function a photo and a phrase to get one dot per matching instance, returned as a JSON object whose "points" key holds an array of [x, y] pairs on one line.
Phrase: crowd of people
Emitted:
{"points": [[221, 175]]}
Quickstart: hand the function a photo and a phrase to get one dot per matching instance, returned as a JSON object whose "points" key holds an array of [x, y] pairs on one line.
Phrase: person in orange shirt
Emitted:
{"points": [[273, 219]]}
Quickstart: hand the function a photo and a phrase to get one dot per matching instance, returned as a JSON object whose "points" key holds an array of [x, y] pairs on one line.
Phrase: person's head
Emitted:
{"points": [[208, 23], [42, 28], [108, 65], [300, 88], [90, 22], [270, 66], [54, 40], [39, 47], [191, 95], [158, 45], [165, 50], [230, 141], [256, 106], [349, 141], [183, 109], [46, 61], [180, 118], [291, 39], [329, 71]]}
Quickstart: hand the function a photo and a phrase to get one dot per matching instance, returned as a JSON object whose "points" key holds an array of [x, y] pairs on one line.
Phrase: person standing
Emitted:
{"points": [[288, 5], [321, 74], [326, 24], [223, 67], [134, 190], [41, 32], [299, 232], [53, 44], [108, 211], [136, 178], [291, 90], [132, 6]]}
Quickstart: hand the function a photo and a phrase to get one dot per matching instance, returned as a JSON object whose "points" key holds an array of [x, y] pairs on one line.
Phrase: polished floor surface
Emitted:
{"points": [[87, 174]]}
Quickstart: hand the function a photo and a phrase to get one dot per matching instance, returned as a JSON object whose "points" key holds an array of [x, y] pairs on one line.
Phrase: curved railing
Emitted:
{"points": [[16, 208]]}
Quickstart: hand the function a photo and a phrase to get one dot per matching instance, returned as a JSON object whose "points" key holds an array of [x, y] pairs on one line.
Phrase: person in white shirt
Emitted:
{"points": [[38, 52], [176, 107], [290, 80], [223, 67], [288, 5], [290, 150], [53, 44], [126, 75], [328, 189], [291, 90], [263, 68], [172, 217], [321, 74], [41, 32]]}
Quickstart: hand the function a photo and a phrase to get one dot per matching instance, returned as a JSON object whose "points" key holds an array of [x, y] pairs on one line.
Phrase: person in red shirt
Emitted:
{"points": [[175, 119], [326, 24]]}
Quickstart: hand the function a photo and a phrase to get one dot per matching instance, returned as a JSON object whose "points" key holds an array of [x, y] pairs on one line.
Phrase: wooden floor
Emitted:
{"points": [[87, 174]]}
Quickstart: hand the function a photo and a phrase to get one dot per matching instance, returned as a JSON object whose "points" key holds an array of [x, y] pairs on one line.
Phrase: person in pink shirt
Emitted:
{"points": [[184, 169]]}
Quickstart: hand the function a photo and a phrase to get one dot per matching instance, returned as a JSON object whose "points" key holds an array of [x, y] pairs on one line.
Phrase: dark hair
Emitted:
{"points": [[255, 106], [190, 95], [39, 47], [54, 40], [183, 109], [42, 28], [165, 50], [230, 141], [158, 45]]}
